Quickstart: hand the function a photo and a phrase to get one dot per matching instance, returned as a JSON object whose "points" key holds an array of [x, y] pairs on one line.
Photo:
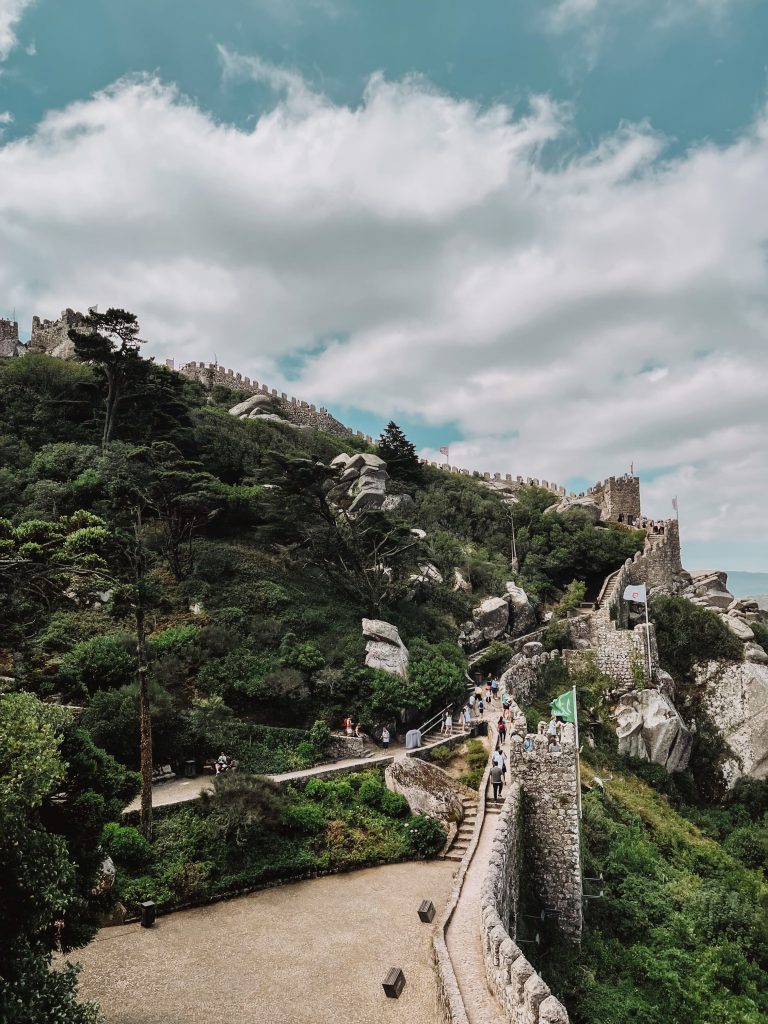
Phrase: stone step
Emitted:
{"points": [[452, 855]]}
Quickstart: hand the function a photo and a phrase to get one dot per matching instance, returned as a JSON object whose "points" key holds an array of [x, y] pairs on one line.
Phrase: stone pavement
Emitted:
{"points": [[311, 952], [463, 933]]}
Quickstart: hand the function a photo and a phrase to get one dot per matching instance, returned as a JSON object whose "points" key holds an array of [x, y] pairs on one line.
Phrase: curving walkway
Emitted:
{"points": [[463, 931]]}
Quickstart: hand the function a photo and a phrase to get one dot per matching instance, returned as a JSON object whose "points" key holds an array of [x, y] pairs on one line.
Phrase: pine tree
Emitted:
{"points": [[399, 455]]}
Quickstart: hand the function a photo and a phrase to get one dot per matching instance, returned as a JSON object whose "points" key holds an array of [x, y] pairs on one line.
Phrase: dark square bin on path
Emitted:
{"points": [[190, 769], [394, 982]]}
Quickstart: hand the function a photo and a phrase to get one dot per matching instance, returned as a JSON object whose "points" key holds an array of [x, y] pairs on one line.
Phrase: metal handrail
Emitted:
{"points": [[424, 729]]}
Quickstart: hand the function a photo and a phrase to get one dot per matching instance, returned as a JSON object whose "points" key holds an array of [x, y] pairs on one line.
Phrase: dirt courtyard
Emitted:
{"points": [[312, 952]]}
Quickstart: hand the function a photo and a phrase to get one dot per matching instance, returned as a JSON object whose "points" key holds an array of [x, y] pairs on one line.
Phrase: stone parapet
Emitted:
{"points": [[550, 788], [294, 410], [523, 996]]}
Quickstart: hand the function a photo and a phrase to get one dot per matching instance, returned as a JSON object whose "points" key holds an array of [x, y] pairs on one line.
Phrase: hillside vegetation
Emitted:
{"points": [[180, 577]]}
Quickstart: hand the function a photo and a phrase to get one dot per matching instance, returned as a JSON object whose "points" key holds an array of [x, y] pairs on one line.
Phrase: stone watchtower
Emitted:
{"points": [[9, 339], [618, 495]]}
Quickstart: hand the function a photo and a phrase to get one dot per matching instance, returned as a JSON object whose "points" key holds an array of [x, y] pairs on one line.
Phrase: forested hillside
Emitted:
{"points": [[160, 555]]}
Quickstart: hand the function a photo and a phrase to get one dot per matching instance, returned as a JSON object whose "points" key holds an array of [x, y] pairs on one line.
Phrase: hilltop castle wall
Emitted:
{"points": [[618, 495], [622, 653], [296, 411], [51, 337]]}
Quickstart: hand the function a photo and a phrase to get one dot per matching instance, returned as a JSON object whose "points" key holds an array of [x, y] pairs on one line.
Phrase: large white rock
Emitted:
{"points": [[649, 727], [738, 627], [754, 652], [395, 502], [718, 599], [735, 695], [586, 505], [459, 582], [521, 614], [261, 402], [427, 788], [491, 617], [385, 649], [428, 575]]}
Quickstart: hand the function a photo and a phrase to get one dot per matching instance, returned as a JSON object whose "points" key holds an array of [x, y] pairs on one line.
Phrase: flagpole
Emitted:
{"points": [[578, 764]]}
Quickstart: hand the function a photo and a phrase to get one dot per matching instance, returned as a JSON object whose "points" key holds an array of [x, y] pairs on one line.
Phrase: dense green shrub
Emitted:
{"points": [[100, 663], [426, 836], [687, 633], [126, 845]]}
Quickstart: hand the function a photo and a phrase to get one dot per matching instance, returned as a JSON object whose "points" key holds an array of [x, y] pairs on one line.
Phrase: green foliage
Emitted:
{"points": [[436, 671], [426, 836], [557, 635], [126, 845], [572, 597], [399, 454], [761, 634], [249, 832], [102, 662], [477, 759], [687, 633], [494, 657], [680, 934]]}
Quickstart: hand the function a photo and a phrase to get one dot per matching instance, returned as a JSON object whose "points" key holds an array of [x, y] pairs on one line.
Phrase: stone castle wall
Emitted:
{"points": [[550, 801], [622, 652], [522, 994], [296, 411], [51, 337]]}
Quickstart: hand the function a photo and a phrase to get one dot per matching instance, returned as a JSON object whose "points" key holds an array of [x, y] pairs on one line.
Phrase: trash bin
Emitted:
{"points": [[147, 914], [413, 739], [190, 769]]}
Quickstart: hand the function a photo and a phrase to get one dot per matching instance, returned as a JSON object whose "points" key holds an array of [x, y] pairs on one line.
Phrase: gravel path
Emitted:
{"points": [[312, 952]]}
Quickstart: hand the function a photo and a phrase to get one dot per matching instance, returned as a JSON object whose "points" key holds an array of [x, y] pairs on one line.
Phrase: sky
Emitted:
{"points": [[536, 232]]}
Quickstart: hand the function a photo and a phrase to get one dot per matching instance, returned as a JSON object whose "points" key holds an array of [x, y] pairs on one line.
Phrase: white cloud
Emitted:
{"points": [[563, 14], [11, 12], [568, 319]]}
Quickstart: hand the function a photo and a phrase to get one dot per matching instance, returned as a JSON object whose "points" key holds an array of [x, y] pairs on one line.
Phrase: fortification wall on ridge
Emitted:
{"points": [[51, 337], [302, 414], [622, 653], [618, 495]]}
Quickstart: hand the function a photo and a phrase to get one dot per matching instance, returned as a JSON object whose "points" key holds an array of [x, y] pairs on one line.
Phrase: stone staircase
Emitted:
{"points": [[459, 845]]}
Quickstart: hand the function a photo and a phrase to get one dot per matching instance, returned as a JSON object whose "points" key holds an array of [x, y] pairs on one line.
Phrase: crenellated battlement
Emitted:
{"points": [[9, 339], [295, 410]]}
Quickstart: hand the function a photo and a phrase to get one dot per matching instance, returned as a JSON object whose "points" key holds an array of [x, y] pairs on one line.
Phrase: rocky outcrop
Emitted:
{"points": [[649, 727], [385, 650], [362, 481], [427, 788], [255, 407], [588, 506], [521, 614], [499, 618], [735, 695], [398, 503]]}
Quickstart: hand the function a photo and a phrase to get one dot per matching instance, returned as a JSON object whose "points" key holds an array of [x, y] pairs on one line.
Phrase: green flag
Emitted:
{"points": [[565, 706]]}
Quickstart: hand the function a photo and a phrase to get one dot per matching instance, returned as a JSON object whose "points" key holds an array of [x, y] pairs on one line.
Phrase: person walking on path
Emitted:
{"points": [[480, 708], [497, 780], [448, 724], [471, 703], [494, 688], [488, 688], [465, 718], [501, 728], [385, 738], [552, 731]]}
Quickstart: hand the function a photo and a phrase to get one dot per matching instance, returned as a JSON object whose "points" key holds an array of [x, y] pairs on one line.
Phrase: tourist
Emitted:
{"points": [[480, 707], [528, 743], [501, 728], [489, 688], [385, 738], [471, 703], [448, 724], [465, 718], [497, 775], [494, 687], [478, 692], [222, 763], [359, 731], [348, 725], [552, 730]]}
